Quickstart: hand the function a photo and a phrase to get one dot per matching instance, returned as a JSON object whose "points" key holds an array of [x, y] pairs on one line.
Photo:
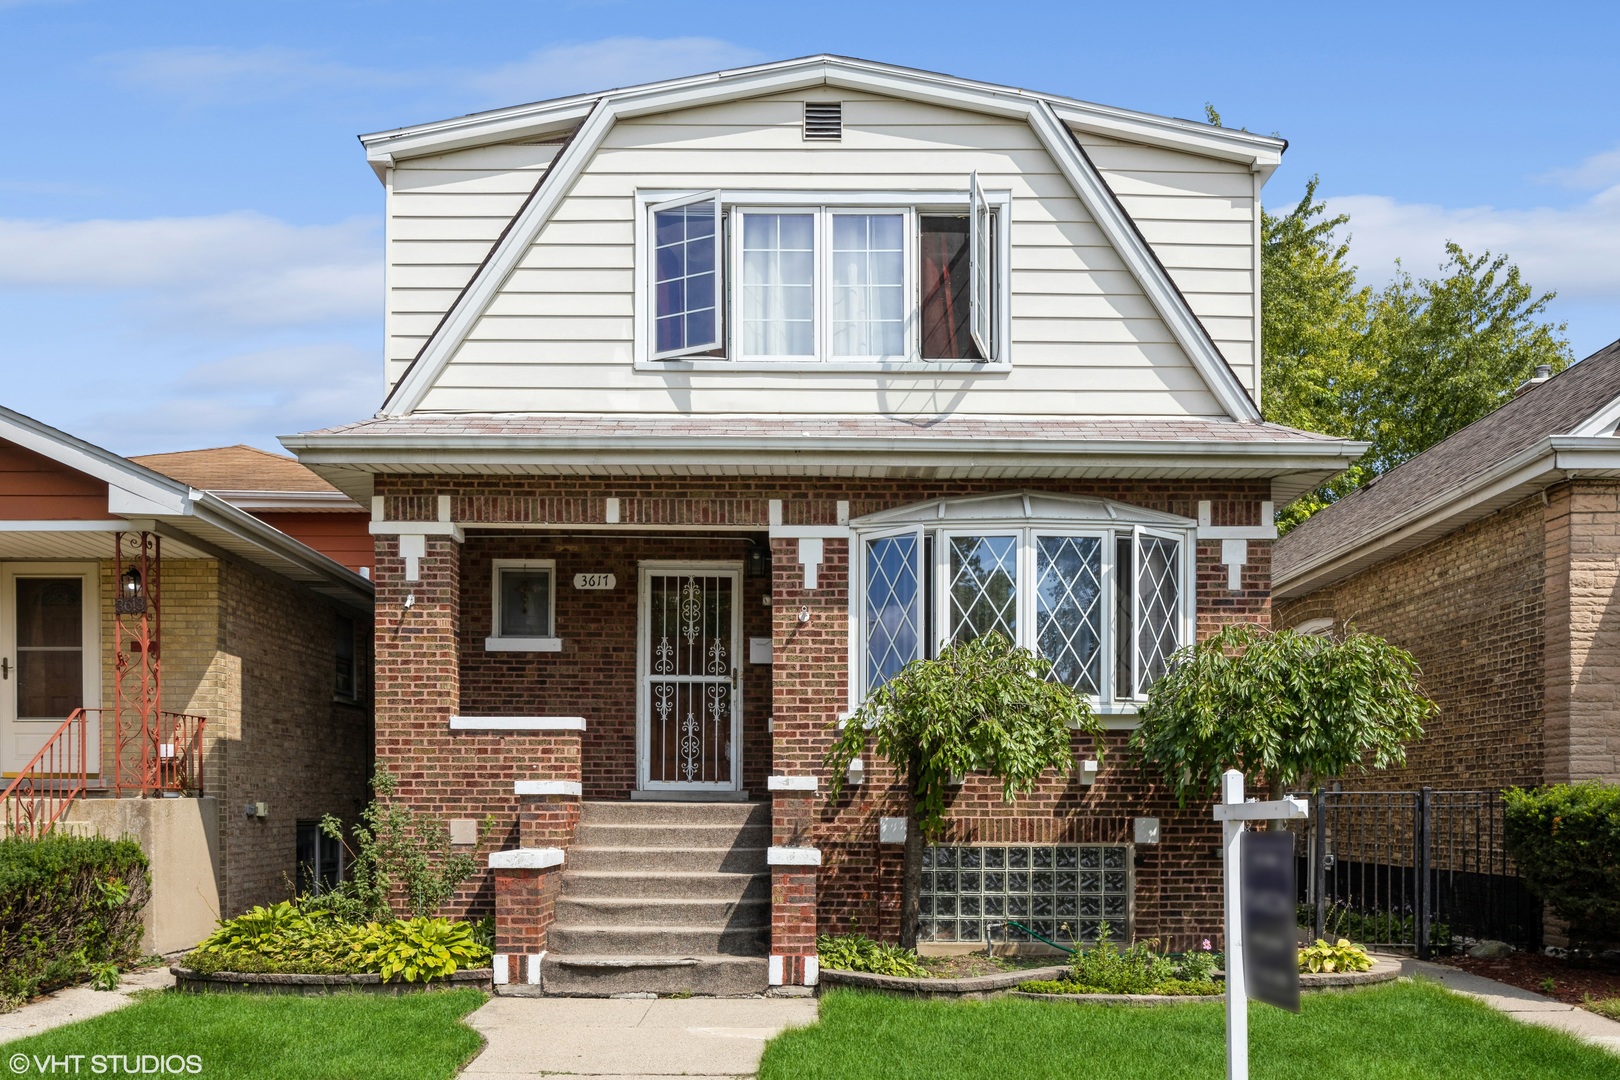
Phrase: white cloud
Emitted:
{"points": [[211, 75], [1574, 250], [601, 65], [223, 271], [219, 75], [1598, 171], [249, 397]]}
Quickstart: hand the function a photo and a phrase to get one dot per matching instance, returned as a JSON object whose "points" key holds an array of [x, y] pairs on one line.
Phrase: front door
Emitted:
{"points": [[50, 657], [689, 730]]}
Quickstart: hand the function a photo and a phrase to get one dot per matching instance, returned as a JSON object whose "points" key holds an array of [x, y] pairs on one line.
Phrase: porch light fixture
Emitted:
{"points": [[757, 564], [131, 593], [856, 773]]}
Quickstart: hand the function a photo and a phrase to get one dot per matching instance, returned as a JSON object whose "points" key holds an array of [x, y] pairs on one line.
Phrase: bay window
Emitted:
{"points": [[779, 277], [1104, 598]]}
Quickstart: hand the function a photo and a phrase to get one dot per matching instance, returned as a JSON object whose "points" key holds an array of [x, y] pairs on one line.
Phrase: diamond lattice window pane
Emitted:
{"points": [[1158, 599], [984, 587], [893, 615], [1068, 608]]}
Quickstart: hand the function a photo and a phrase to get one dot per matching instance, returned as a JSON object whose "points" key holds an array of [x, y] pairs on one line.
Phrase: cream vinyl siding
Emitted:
{"points": [[1084, 338], [444, 214], [1200, 217]]}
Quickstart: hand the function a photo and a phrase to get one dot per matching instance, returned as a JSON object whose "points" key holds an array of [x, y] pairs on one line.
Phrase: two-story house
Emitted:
{"points": [[710, 404]]}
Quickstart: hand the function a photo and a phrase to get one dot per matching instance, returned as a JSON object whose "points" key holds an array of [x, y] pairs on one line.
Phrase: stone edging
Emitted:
{"points": [[265, 983], [975, 986], [1383, 970]]}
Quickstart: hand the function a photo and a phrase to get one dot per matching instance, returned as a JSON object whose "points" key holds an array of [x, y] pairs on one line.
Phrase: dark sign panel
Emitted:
{"points": [[1270, 931]]}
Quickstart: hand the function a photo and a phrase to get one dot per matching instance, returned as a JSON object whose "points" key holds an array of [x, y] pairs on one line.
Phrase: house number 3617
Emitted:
{"points": [[595, 581]]}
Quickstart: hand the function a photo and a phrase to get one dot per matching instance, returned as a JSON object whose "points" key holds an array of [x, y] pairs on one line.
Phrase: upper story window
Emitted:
{"points": [[799, 278], [1102, 590]]}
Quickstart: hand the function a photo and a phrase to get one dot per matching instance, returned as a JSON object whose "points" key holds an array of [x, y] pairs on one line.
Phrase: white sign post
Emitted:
{"points": [[1232, 812]]}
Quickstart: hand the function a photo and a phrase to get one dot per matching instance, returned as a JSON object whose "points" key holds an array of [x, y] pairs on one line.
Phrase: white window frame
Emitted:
{"points": [[983, 305], [1107, 700], [1105, 544], [731, 201], [649, 267], [496, 642], [910, 251], [920, 567], [818, 280]]}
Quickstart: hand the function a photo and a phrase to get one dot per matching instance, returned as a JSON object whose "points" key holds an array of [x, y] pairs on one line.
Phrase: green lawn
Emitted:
{"points": [[1404, 1031], [255, 1037]]}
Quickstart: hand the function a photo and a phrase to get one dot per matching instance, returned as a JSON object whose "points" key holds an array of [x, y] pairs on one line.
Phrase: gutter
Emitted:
{"points": [[1549, 461]]}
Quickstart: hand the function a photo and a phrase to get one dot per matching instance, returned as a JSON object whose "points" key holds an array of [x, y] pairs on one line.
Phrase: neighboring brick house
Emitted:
{"points": [[713, 402], [1494, 558], [196, 650]]}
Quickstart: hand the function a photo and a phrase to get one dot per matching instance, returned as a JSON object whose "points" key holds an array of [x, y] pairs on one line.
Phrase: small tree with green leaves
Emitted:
{"points": [[396, 853], [1279, 707], [980, 706]]}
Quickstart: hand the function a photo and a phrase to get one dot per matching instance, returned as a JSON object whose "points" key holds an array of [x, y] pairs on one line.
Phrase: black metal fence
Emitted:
{"points": [[1424, 870]]}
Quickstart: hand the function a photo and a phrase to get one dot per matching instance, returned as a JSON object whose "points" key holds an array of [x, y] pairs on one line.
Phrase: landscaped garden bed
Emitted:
{"points": [[1588, 983], [192, 981]]}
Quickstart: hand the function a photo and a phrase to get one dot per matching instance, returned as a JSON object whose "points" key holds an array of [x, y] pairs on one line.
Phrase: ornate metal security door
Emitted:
{"points": [[690, 737]]}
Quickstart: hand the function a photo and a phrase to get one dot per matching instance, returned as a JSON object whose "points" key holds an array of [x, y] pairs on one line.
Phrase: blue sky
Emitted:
{"points": [[190, 240]]}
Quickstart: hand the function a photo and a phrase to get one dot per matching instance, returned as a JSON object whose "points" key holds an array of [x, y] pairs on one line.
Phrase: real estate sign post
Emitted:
{"points": [[1273, 885]]}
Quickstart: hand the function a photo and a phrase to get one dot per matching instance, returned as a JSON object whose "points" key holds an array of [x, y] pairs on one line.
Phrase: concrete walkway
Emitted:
{"points": [[629, 1039], [1522, 1004], [78, 1003]]}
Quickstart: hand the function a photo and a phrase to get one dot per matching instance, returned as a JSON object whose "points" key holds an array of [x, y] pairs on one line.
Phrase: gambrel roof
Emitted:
{"points": [[586, 120]]}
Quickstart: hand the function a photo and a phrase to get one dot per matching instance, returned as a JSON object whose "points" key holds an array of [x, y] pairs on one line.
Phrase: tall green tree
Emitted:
{"points": [[1402, 367]]}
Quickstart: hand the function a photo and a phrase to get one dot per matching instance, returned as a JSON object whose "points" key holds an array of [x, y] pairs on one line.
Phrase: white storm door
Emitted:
{"points": [[690, 729], [50, 657]]}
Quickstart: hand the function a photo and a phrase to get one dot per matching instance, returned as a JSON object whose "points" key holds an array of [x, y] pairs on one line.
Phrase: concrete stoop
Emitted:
{"points": [[663, 898]]}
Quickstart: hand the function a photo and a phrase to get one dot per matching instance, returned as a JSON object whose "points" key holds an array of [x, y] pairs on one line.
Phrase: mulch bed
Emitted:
{"points": [[975, 964], [1572, 981]]}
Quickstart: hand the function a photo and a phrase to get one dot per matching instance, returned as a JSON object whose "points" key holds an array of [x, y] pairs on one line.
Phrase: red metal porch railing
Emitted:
{"points": [[166, 757], [50, 781], [170, 757]]}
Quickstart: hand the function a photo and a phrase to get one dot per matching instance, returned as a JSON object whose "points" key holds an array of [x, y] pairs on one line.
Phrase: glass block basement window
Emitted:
{"points": [[1062, 892]]}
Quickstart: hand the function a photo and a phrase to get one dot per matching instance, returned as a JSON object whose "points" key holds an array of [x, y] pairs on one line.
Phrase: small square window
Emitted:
{"points": [[523, 598]]}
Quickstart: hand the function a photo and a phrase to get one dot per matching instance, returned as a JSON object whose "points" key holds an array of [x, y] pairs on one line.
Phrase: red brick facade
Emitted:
{"points": [[431, 665]]}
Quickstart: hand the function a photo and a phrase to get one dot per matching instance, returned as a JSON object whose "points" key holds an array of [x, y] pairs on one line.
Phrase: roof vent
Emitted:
{"points": [[1543, 373], [824, 120]]}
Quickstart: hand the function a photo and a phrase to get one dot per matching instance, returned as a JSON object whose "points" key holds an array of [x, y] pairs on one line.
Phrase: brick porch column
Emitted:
{"points": [[794, 865], [527, 880]]}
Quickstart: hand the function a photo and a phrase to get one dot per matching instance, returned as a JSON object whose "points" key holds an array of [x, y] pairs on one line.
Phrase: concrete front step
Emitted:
{"points": [[680, 835], [658, 940], [587, 975], [732, 860], [606, 885], [674, 813], [575, 912]]}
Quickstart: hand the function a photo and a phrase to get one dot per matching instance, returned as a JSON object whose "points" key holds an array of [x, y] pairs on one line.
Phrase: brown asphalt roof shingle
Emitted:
{"points": [[1556, 407], [235, 468]]}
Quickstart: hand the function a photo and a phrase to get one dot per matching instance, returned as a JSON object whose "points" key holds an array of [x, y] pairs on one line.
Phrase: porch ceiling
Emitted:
{"points": [[77, 544]]}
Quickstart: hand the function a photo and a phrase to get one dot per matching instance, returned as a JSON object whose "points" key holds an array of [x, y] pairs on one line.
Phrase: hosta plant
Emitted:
{"points": [[1341, 956], [420, 949], [856, 952]]}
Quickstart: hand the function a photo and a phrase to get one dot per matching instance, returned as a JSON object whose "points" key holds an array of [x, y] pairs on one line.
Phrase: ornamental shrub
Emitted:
{"points": [[68, 905], [1565, 840]]}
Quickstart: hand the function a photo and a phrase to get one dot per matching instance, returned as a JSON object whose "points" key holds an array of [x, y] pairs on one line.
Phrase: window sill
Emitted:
{"points": [[831, 367], [343, 699], [523, 644]]}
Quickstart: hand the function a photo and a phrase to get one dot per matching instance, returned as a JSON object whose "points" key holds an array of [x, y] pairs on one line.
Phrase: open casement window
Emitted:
{"points": [[982, 269], [892, 604], [687, 276], [1148, 609]]}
